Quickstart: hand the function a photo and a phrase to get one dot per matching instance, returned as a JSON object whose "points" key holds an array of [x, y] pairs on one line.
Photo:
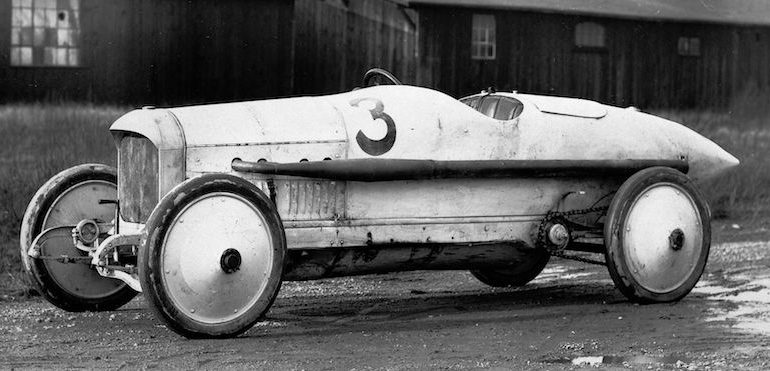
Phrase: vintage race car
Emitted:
{"points": [[212, 206]]}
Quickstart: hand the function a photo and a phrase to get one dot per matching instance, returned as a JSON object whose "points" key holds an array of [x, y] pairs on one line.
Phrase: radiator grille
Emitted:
{"points": [[137, 178]]}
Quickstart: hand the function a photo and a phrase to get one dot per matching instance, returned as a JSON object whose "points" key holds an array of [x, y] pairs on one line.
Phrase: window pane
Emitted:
{"points": [[15, 56], [61, 56], [25, 58], [22, 17], [26, 36], [49, 56], [50, 18], [63, 17], [65, 38], [15, 36], [682, 46], [589, 34], [25, 3], [74, 57], [39, 18], [74, 19], [51, 37], [39, 36]]}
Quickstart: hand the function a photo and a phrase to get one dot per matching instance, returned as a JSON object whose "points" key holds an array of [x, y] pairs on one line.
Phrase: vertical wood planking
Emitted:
{"points": [[166, 52], [640, 65], [336, 42]]}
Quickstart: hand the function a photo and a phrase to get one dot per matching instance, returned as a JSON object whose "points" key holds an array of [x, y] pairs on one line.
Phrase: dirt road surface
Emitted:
{"points": [[568, 318]]}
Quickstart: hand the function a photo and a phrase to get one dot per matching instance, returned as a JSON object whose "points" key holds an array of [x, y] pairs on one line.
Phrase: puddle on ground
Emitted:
{"points": [[560, 272], [621, 360], [747, 298]]}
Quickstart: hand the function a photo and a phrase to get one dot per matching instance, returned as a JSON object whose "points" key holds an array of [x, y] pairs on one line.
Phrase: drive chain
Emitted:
{"points": [[555, 215]]}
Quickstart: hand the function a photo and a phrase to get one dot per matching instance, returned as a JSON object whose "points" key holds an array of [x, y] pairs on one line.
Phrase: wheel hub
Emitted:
{"points": [[230, 261], [676, 239]]}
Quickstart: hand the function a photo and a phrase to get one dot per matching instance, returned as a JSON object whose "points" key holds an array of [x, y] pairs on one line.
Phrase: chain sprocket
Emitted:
{"points": [[562, 216]]}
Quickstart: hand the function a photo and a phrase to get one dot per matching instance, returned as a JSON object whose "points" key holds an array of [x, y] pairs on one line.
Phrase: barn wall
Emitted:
{"points": [[337, 41], [165, 52], [640, 65]]}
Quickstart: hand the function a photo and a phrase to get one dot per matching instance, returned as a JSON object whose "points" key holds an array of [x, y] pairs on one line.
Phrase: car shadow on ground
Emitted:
{"points": [[329, 315]]}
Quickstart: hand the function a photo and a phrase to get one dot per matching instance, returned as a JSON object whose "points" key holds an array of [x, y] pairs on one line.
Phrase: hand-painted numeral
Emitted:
{"points": [[371, 146]]}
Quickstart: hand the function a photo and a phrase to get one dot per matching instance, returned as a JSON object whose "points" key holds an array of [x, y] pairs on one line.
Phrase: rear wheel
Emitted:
{"points": [[62, 202], [213, 260], [657, 236], [520, 275]]}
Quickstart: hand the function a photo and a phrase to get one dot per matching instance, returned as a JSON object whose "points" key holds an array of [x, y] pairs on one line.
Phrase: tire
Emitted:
{"points": [[517, 276], [191, 236], [67, 198], [657, 236]]}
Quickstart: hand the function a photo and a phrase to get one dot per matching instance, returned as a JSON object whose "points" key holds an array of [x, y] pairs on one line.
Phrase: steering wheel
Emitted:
{"points": [[374, 72]]}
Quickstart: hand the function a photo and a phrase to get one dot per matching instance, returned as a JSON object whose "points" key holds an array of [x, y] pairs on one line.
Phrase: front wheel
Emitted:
{"points": [[62, 202], [213, 259], [657, 236]]}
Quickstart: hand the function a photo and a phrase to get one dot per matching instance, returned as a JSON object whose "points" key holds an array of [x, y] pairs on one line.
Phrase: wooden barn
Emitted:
{"points": [[179, 51], [647, 53], [145, 51]]}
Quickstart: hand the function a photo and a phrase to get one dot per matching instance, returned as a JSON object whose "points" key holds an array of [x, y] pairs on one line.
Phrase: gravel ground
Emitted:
{"points": [[569, 317]]}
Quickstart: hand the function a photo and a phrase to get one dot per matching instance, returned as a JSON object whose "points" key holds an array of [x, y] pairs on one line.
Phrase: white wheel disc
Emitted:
{"points": [[79, 202], [659, 214], [193, 248]]}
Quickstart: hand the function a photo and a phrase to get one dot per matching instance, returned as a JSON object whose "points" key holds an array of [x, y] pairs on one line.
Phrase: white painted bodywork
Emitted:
{"points": [[429, 125]]}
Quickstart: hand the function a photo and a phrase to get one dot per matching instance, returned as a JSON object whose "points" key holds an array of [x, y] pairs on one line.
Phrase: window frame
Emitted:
{"points": [[49, 35], [579, 34], [689, 46], [483, 48]]}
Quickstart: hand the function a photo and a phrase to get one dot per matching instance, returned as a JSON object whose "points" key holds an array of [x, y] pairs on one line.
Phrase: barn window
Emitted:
{"points": [[483, 44], [589, 35], [45, 33], [689, 46]]}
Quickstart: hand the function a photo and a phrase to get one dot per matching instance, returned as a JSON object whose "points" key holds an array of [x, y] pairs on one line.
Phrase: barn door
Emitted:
{"points": [[589, 76]]}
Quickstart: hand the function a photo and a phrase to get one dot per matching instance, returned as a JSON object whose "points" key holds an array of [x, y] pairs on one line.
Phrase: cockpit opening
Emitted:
{"points": [[495, 106]]}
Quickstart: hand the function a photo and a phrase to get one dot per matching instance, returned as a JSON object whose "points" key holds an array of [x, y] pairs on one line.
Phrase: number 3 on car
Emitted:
{"points": [[381, 146], [212, 207]]}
